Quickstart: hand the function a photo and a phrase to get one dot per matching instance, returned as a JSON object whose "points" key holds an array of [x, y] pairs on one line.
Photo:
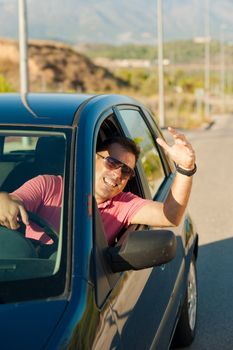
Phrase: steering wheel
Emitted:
{"points": [[44, 225], [13, 244]]}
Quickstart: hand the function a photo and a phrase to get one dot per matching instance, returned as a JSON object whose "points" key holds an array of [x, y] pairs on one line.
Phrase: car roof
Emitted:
{"points": [[52, 108], [36, 108]]}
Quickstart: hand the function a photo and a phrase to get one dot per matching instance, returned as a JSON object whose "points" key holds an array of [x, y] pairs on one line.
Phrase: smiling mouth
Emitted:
{"points": [[110, 182]]}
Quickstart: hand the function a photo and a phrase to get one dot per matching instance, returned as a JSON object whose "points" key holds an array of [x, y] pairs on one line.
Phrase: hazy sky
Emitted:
{"points": [[102, 21]]}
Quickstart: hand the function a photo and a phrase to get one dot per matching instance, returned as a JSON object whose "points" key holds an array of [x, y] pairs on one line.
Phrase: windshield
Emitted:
{"points": [[32, 224]]}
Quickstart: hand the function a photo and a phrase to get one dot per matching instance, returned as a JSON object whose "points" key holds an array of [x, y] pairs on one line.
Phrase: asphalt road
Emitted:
{"points": [[211, 206]]}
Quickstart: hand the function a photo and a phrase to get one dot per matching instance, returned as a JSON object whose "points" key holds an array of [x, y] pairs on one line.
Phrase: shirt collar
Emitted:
{"points": [[108, 203], [105, 204]]}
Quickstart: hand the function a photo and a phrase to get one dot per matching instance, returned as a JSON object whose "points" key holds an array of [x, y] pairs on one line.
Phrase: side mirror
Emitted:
{"points": [[142, 249]]}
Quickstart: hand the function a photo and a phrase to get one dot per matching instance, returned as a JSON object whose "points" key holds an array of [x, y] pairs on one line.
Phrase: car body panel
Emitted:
{"points": [[23, 324], [54, 109], [84, 326]]}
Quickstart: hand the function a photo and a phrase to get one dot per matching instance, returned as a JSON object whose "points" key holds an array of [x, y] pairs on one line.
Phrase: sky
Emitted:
{"points": [[80, 21]]}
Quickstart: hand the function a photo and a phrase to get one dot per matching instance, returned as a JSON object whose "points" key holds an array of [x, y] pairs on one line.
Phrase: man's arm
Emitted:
{"points": [[10, 209], [171, 211]]}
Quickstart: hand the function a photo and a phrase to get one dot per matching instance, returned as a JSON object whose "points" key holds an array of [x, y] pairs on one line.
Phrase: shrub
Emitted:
{"points": [[4, 85]]}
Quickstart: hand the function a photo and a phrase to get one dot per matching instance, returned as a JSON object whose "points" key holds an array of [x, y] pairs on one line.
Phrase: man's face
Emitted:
{"points": [[110, 182]]}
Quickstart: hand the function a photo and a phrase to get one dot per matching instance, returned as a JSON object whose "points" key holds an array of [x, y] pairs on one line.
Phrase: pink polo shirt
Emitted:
{"points": [[43, 196], [118, 212]]}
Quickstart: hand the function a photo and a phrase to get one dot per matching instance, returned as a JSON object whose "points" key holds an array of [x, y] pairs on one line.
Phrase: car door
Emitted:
{"points": [[140, 299], [155, 176]]}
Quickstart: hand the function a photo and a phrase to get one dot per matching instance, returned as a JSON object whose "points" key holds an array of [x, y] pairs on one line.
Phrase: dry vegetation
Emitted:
{"points": [[56, 67]]}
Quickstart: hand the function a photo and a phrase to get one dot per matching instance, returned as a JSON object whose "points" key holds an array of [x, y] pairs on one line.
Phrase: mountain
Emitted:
{"points": [[116, 21]]}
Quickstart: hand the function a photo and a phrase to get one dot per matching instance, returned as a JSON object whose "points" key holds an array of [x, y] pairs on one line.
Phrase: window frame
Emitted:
{"points": [[57, 285]]}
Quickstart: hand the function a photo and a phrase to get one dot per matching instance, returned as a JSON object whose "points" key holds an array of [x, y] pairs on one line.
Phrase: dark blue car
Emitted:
{"points": [[78, 292]]}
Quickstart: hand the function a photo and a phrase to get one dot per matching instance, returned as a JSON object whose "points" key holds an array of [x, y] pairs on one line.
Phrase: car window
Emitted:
{"points": [[19, 144], [149, 155], [33, 164]]}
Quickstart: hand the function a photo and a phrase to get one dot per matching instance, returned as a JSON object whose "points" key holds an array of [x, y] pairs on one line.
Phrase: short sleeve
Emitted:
{"points": [[130, 205], [31, 193]]}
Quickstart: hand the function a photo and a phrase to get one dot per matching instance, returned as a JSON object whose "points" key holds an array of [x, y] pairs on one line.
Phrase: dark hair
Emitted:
{"points": [[125, 143]]}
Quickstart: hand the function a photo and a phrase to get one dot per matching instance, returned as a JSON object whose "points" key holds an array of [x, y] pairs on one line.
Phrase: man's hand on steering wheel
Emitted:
{"points": [[10, 209]]}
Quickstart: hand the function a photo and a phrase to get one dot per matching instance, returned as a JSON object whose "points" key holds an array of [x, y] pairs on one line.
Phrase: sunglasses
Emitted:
{"points": [[113, 163]]}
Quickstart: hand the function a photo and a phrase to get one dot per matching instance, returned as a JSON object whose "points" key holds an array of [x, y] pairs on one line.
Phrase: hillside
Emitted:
{"points": [[56, 66]]}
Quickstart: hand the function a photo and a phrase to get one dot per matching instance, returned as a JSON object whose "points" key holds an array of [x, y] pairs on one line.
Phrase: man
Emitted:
{"points": [[127, 208], [115, 162]]}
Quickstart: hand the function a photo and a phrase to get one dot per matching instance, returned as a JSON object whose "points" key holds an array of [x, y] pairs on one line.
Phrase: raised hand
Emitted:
{"points": [[181, 152]]}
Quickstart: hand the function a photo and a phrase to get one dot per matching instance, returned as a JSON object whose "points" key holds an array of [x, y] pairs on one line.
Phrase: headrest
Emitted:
{"points": [[50, 154]]}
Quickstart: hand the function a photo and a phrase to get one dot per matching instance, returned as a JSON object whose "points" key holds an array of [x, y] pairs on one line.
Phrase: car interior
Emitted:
{"points": [[47, 158], [19, 163]]}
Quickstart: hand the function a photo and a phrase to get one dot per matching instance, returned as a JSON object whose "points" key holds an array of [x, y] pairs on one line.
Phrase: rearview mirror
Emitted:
{"points": [[142, 249]]}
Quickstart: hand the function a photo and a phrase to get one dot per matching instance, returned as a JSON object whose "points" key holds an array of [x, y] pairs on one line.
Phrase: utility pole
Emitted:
{"points": [[160, 63], [222, 68], [207, 59], [23, 52]]}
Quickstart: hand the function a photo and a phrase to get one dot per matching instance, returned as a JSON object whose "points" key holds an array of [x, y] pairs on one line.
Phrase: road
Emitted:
{"points": [[212, 209]]}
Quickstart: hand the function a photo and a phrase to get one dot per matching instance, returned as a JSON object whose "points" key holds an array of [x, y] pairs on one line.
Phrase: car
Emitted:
{"points": [[79, 292]]}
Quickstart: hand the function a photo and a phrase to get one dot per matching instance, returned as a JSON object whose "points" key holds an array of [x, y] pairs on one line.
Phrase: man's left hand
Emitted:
{"points": [[181, 151]]}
